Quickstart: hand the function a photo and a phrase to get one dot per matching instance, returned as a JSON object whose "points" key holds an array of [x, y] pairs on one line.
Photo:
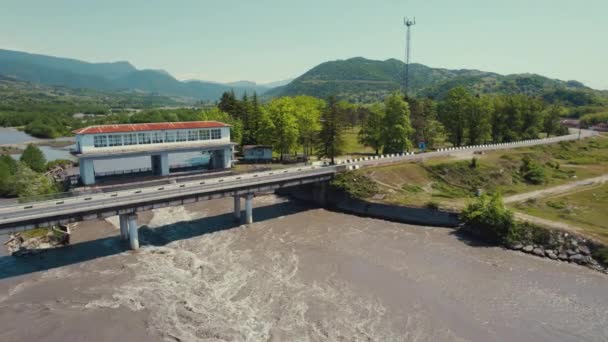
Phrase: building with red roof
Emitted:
{"points": [[156, 140]]}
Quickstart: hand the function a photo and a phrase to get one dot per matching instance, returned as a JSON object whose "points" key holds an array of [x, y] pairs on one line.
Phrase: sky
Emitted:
{"points": [[271, 40]]}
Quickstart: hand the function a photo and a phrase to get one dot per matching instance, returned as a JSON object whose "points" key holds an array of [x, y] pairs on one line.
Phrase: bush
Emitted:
{"points": [[432, 205], [488, 218], [473, 164], [601, 255], [531, 171], [411, 188]]}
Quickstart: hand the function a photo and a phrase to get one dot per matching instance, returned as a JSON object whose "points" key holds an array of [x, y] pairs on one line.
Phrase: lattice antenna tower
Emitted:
{"points": [[408, 24]]}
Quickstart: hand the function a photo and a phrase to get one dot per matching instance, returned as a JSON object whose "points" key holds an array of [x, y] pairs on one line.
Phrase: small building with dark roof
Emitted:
{"points": [[257, 153]]}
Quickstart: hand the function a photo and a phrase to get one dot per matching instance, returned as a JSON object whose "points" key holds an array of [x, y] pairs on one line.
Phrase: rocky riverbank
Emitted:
{"points": [[565, 247], [550, 244], [37, 240]]}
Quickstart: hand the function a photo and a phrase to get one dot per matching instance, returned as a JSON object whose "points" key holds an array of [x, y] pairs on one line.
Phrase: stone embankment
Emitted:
{"points": [[566, 248]]}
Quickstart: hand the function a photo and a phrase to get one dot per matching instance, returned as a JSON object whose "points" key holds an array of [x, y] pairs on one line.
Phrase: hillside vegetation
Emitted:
{"points": [[72, 73], [450, 182], [363, 80]]}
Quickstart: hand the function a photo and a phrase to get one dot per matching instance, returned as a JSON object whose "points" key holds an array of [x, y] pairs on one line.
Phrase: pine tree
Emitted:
{"points": [[331, 141]]}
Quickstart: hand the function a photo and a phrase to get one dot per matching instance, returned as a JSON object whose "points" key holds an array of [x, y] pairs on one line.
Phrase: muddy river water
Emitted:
{"points": [[297, 274]]}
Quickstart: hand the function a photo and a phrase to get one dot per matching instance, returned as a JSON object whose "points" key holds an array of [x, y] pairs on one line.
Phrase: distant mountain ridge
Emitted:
{"points": [[363, 80], [72, 73], [356, 79]]}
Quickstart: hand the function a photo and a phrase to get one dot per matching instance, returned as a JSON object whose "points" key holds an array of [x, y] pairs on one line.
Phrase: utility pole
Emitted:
{"points": [[408, 24]]}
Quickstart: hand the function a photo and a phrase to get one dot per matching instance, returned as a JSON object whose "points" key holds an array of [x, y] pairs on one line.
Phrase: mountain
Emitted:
{"points": [[116, 76], [363, 80]]}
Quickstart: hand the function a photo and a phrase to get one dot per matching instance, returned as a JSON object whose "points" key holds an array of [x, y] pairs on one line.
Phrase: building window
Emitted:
{"points": [[192, 135], [144, 138], [170, 136], [204, 134], [100, 141], [216, 134], [157, 137], [130, 139], [181, 136], [115, 140]]}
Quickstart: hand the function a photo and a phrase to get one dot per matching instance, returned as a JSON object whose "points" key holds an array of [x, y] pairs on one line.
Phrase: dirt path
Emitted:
{"points": [[581, 185]]}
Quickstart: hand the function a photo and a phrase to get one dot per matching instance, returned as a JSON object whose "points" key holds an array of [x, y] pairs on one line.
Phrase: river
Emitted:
{"points": [[297, 274]]}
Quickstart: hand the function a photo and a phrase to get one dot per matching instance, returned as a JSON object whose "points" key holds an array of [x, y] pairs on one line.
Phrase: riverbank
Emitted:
{"points": [[557, 245], [297, 273]]}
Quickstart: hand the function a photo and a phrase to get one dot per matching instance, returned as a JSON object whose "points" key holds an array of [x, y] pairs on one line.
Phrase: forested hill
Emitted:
{"points": [[76, 74], [363, 80]]}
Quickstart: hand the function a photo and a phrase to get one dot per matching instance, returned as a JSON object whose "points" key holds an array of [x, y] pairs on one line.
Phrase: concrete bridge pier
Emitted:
{"points": [[249, 208], [124, 226], [133, 234], [237, 208]]}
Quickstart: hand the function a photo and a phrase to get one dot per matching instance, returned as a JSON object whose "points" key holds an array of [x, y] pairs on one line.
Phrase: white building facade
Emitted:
{"points": [[154, 139]]}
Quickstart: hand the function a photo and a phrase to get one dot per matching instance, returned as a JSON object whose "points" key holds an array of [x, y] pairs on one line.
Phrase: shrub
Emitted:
{"points": [[411, 188], [432, 205], [531, 171], [488, 218], [473, 164], [601, 255], [557, 204]]}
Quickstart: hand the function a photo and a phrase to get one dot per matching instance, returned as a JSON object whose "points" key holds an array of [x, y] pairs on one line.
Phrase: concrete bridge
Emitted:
{"points": [[127, 203]]}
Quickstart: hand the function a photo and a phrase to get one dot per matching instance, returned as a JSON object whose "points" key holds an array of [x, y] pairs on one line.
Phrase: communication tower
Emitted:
{"points": [[408, 24]]}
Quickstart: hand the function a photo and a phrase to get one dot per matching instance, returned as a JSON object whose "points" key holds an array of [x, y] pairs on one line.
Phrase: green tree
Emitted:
{"points": [[551, 120], [230, 104], [308, 114], [255, 120], [28, 183], [371, 133], [285, 134], [331, 140], [478, 117], [397, 127], [453, 114], [6, 180], [34, 158]]}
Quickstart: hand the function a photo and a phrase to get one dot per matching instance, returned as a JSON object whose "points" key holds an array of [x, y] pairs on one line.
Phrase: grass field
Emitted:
{"points": [[583, 209], [352, 145], [452, 181]]}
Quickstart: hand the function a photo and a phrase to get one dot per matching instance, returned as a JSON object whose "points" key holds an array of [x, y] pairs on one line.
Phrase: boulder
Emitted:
{"points": [[579, 259], [562, 256], [538, 252], [584, 250], [528, 249], [550, 254], [516, 246], [571, 252]]}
